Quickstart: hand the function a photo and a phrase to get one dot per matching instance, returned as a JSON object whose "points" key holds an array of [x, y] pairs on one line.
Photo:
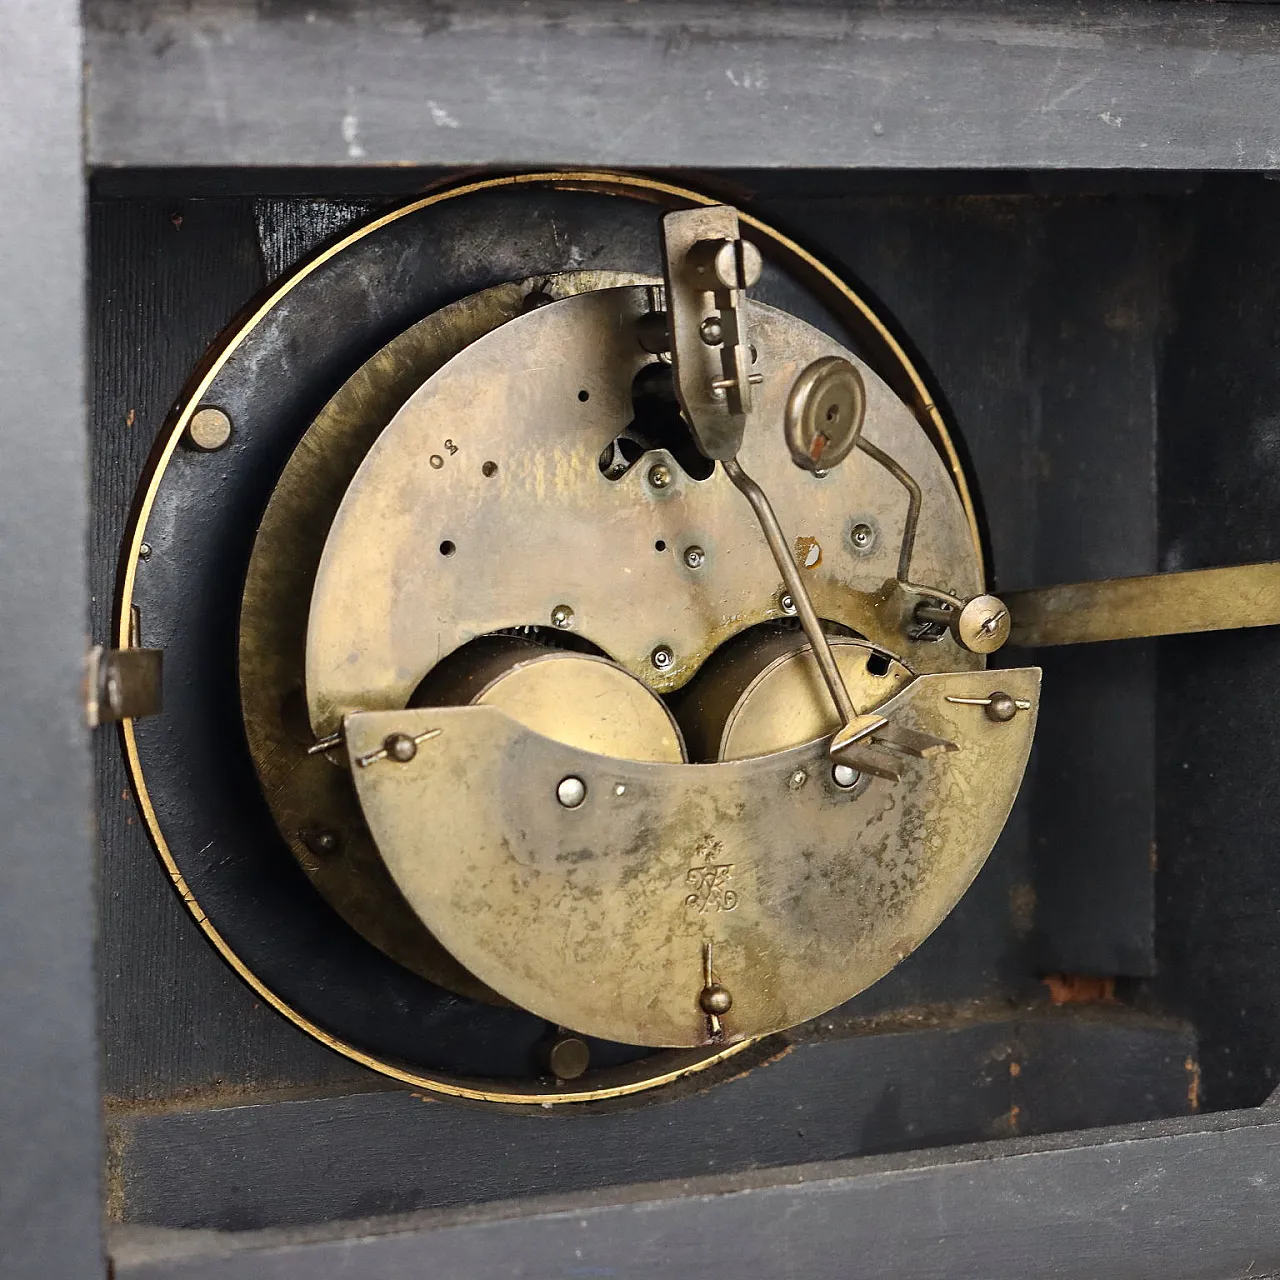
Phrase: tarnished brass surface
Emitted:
{"points": [[824, 414], [597, 917], [308, 795], [767, 694], [849, 744], [555, 532], [122, 684], [706, 269], [588, 703], [1161, 604]]}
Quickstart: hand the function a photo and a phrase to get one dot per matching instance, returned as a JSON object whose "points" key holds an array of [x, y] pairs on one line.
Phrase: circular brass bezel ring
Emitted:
{"points": [[663, 1068]]}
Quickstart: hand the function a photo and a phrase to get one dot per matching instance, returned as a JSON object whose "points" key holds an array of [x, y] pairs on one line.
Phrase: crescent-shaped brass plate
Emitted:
{"points": [[596, 917]]}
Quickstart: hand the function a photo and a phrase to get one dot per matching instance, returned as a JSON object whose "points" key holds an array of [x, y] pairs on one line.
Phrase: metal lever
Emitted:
{"points": [[1161, 604], [707, 269], [845, 745]]}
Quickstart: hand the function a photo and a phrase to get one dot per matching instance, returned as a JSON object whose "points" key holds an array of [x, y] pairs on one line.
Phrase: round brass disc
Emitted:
{"points": [[769, 695], [573, 885], [589, 703], [824, 413]]}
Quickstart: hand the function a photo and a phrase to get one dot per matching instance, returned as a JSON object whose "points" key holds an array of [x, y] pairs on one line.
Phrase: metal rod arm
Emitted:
{"points": [[1161, 604], [778, 545]]}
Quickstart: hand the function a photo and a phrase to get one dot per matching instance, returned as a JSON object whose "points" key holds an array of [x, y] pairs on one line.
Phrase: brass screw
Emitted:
{"points": [[712, 331], [694, 557], [562, 616], [662, 657], [208, 430], [321, 842], [659, 476], [786, 603], [797, 780], [863, 537]]}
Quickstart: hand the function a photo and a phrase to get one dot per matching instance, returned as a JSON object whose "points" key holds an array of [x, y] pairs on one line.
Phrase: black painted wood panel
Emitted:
{"points": [[1190, 1199], [1218, 848], [166, 277], [1112, 84], [842, 1094], [50, 1131]]}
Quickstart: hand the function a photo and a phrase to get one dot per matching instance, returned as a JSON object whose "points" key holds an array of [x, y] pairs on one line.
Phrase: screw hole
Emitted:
{"points": [[490, 469], [447, 548], [659, 545], [584, 396]]}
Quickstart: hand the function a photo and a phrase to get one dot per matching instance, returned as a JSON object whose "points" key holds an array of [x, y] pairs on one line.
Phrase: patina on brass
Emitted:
{"points": [[892, 600], [549, 529], [763, 693], [1161, 604], [597, 917], [580, 700], [308, 794], [707, 268], [824, 414]]}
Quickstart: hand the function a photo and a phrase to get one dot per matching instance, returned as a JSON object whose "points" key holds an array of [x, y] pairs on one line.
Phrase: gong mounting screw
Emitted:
{"points": [[982, 626]]}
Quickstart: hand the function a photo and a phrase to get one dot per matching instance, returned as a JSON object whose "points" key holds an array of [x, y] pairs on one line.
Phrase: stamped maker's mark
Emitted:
{"points": [[708, 879]]}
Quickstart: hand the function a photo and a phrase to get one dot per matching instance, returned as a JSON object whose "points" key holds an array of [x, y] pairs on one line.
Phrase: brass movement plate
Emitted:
{"points": [[844, 301], [481, 507], [596, 917], [309, 797]]}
